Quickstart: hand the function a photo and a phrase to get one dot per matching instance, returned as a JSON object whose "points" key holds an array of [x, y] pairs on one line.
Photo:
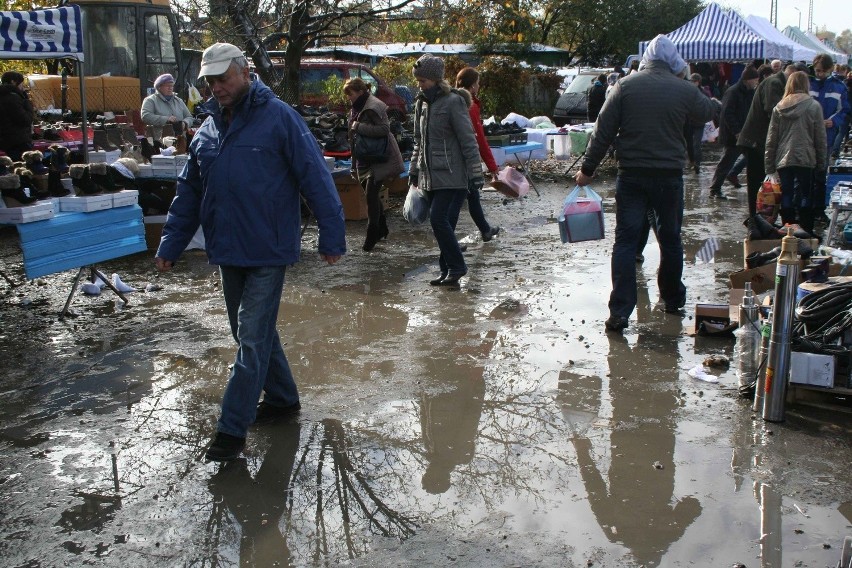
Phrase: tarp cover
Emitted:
{"points": [[713, 36], [765, 28], [42, 34]]}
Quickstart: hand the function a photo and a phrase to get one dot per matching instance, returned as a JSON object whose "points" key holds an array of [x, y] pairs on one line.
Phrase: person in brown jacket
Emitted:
{"points": [[795, 147], [369, 117]]}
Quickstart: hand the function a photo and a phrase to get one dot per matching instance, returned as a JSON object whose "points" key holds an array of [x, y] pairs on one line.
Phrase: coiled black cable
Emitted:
{"points": [[823, 316]]}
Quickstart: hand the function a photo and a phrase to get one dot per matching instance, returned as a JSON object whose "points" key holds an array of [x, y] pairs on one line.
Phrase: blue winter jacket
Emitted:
{"points": [[832, 96], [242, 185]]}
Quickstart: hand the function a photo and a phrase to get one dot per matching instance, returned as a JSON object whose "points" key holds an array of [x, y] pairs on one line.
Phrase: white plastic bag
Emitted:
{"points": [[581, 218], [711, 133], [417, 204]]}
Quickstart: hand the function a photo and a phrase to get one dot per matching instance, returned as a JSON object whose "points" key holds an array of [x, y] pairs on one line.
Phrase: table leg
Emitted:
{"points": [[71, 295], [99, 274], [524, 170]]}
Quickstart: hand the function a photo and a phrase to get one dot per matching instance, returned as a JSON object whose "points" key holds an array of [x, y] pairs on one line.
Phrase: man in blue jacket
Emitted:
{"points": [[830, 93], [248, 165]]}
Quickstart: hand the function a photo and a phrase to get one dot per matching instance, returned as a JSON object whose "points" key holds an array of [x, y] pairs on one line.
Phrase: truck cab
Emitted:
{"points": [[130, 38]]}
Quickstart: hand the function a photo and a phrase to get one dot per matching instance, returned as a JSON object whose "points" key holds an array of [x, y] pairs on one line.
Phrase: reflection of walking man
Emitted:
{"points": [[248, 164], [634, 501], [259, 503], [644, 118]]}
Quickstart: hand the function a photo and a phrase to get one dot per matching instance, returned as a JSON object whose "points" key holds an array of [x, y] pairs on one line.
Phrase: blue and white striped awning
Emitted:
{"points": [[42, 34], [773, 48], [713, 36]]}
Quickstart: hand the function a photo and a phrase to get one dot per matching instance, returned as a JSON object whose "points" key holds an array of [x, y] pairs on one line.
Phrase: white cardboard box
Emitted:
{"points": [[812, 369], [86, 203], [125, 197], [27, 214], [145, 171], [98, 157]]}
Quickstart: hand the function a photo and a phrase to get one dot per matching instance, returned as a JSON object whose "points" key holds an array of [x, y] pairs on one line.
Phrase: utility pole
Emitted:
{"points": [[811, 16], [800, 16], [773, 12]]}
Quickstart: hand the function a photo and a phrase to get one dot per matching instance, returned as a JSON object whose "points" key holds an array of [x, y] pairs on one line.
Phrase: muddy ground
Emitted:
{"points": [[496, 425]]}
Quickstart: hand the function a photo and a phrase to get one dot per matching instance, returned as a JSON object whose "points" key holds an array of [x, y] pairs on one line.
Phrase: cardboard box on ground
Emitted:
{"points": [[763, 278]]}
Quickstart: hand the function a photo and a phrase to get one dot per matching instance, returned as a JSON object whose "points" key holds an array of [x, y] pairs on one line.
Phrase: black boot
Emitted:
{"points": [[29, 185], [59, 158], [101, 140], [100, 174], [82, 180], [13, 194], [374, 234], [33, 159], [6, 166], [54, 184]]}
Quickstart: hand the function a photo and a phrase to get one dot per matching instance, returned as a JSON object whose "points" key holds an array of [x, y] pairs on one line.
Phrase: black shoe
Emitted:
{"points": [[734, 181], [697, 168], [492, 232], [640, 259], [717, 194], [225, 448], [374, 235], [383, 226], [269, 413], [451, 279], [462, 247], [675, 307], [437, 281], [616, 323]]}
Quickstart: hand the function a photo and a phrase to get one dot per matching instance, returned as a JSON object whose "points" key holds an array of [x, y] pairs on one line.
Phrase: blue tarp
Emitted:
{"points": [[42, 34]]}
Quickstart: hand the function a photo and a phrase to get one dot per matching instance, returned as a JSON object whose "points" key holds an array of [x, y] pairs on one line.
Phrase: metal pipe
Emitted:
{"points": [[748, 339], [763, 358], [778, 365]]}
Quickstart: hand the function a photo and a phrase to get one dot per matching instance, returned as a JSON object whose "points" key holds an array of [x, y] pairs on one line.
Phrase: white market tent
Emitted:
{"points": [[55, 33], [775, 49], [713, 36], [765, 28], [838, 56], [813, 42]]}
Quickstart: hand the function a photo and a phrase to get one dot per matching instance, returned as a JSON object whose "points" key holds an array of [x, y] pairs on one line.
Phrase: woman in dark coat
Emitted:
{"points": [[16, 116], [369, 117], [597, 96]]}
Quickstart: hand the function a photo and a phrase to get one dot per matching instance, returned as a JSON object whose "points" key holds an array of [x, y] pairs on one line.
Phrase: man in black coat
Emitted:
{"points": [[735, 106], [16, 116], [597, 96]]}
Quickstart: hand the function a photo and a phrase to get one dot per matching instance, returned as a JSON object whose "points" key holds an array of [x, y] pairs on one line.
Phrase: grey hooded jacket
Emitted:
{"points": [[796, 134], [446, 155]]}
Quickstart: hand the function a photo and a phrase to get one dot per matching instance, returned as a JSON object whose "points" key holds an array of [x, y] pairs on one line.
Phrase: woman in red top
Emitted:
{"points": [[468, 79]]}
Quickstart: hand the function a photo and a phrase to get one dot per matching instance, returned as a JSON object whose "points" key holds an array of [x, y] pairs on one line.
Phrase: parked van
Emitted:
{"points": [[314, 71]]}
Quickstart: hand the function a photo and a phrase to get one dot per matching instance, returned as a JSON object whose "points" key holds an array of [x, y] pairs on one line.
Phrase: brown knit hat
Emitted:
{"points": [[749, 73], [429, 67]]}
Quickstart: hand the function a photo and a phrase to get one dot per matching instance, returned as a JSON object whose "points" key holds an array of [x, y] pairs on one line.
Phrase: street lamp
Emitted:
{"points": [[800, 16]]}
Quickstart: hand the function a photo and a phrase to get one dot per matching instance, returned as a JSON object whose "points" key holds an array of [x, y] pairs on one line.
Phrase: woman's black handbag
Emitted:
{"points": [[370, 149]]}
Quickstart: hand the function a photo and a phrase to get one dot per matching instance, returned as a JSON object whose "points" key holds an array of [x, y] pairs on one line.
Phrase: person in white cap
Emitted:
{"points": [[249, 165], [164, 107]]}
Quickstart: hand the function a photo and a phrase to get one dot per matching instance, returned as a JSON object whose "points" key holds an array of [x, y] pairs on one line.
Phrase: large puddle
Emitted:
{"points": [[495, 425]]}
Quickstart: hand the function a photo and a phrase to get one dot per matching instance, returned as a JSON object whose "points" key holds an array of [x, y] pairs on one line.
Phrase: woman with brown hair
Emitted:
{"points": [[468, 79], [795, 147], [369, 117]]}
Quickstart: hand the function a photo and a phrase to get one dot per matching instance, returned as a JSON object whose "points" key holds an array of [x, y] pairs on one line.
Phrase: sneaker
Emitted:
{"points": [[616, 323], [717, 194], [269, 413], [734, 181], [490, 234], [225, 448]]}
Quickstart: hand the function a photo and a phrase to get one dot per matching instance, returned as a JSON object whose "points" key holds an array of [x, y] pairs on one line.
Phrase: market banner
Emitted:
{"points": [[42, 34]]}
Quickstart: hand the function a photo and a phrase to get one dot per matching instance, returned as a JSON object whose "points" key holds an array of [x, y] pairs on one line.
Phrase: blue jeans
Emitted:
{"points": [[723, 168], [634, 196], [444, 215], [252, 297], [840, 138], [476, 212]]}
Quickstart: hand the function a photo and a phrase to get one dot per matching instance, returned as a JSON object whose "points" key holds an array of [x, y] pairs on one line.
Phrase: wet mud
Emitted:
{"points": [[493, 425]]}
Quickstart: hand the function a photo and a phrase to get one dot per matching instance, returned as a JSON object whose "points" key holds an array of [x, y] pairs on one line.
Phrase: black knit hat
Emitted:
{"points": [[749, 73]]}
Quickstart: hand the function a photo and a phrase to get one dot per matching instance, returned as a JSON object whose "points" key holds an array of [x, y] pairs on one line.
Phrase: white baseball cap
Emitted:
{"points": [[217, 58]]}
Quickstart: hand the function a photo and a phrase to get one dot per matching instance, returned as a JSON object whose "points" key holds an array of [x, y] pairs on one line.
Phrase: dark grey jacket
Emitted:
{"points": [[446, 155], [644, 117]]}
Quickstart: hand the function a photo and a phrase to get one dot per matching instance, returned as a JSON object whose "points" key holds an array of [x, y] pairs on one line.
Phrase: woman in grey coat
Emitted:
{"points": [[369, 117], [445, 161], [164, 107], [795, 147]]}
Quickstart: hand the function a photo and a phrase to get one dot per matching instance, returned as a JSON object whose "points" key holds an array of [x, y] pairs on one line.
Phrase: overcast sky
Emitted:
{"points": [[834, 15]]}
